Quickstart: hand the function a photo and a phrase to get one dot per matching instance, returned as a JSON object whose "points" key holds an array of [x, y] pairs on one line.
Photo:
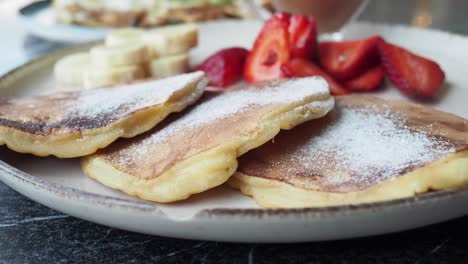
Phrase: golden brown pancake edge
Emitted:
{"points": [[272, 162]]}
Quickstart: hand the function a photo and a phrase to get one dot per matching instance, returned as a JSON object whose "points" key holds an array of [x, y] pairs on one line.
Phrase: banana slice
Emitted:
{"points": [[98, 77], [168, 66], [69, 70], [121, 55], [124, 36], [156, 44], [171, 40]]}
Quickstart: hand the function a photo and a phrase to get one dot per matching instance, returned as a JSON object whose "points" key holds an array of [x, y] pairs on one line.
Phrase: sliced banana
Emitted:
{"points": [[168, 66], [121, 55], [69, 70], [171, 40], [156, 44], [130, 54], [124, 36], [99, 76]]}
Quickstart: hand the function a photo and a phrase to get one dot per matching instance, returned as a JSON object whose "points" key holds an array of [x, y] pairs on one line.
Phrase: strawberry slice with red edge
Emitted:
{"points": [[302, 68], [269, 52], [412, 74], [347, 60], [303, 37], [368, 81], [225, 67]]}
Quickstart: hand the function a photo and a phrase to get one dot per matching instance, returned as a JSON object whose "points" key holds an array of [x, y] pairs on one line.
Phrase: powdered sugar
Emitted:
{"points": [[371, 147], [96, 102], [235, 101]]}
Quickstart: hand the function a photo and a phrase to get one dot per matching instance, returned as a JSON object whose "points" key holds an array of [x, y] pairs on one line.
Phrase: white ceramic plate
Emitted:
{"points": [[224, 214]]}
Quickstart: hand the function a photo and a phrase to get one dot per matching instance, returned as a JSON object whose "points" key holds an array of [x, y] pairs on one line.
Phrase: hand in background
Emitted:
{"points": [[331, 15]]}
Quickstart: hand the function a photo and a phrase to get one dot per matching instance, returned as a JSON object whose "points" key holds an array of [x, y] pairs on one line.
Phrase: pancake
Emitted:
{"points": [[198, 150], [77, 123], [365, 150]]}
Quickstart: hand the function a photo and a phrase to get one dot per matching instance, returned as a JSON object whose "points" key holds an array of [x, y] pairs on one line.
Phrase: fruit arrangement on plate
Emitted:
{"points": [[287, 46]]}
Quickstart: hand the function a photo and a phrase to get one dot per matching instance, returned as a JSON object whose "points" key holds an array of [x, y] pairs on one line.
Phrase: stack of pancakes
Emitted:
{"points": [[345, 150]]}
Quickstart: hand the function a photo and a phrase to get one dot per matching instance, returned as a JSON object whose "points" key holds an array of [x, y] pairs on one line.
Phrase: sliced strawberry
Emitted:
{"points": [[412, 74], [225, 67], [302, 37], [367, 81], [283, 16], [348, 59], [270, 50], [302, 68]]}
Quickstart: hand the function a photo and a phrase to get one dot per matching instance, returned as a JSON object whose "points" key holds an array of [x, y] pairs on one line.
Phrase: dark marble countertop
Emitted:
{"points": [[32, 233]]}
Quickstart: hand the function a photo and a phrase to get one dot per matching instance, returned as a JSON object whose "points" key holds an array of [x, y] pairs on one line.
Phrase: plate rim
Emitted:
{"points": [[67, 192], [140, 205]]}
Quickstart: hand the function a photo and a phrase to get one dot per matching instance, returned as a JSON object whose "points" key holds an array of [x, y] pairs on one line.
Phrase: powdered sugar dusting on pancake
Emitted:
{"points": [[72, 111], [363, 147], [97, 102], [236, 101]]}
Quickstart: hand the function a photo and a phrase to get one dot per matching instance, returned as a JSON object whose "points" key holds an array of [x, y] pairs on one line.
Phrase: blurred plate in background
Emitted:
{"points": [[38, 19]]}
